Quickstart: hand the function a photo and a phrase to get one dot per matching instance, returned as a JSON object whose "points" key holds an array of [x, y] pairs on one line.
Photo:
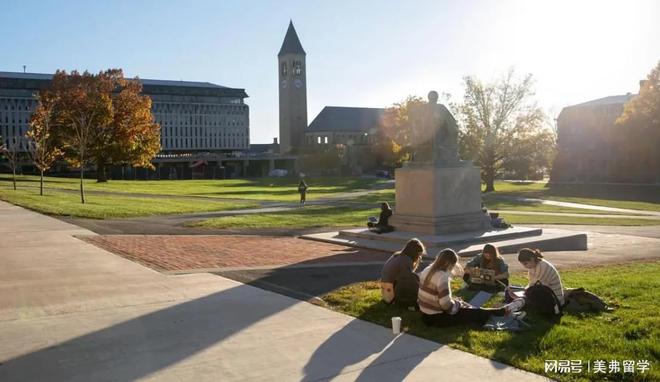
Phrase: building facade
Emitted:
{"points": [[194, 116], [292, 75], [589, 147]]}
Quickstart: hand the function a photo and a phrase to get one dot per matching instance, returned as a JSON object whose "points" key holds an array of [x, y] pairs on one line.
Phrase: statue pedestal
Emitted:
{"points": [[438, 200]]}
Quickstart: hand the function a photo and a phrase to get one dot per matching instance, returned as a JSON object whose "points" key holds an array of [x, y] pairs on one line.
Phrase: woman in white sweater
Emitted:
{"points": [[436, 304], [540, 270]]}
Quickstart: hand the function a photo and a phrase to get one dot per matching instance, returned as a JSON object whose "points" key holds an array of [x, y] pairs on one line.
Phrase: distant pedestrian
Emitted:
{"points": [[302, 189]]}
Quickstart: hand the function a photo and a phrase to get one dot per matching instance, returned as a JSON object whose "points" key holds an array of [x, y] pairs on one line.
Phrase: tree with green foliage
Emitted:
{"points": [[639, 128], [502, 127]]}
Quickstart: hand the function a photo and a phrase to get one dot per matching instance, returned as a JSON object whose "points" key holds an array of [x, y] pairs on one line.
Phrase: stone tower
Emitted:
{"points": [[293, 92]]}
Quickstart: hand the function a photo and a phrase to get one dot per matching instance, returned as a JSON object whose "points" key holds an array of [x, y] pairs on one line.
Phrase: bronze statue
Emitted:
{"points": [[436, 135]]}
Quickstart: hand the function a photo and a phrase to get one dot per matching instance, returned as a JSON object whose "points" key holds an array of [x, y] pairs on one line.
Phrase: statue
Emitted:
{"points": [[436, 135]]}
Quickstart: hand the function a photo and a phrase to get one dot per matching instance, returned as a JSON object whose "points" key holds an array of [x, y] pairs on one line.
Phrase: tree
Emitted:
{"points": [[395, 139], [83, 113], [10, 149], [41, 144], [132, 138], [640, 125], [500, 123], [102, 119]]}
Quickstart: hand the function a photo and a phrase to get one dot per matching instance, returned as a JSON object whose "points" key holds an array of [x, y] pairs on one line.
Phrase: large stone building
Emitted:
{"points": [[292, 77], [588, 143], [344, 125], [194, 116]]}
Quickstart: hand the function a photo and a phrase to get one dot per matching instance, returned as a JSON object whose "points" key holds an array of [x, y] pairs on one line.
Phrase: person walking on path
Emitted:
{"points": [[302, 189]]}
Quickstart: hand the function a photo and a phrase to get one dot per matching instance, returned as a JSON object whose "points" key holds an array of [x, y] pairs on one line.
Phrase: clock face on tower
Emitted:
{"points": [[297, 83], [283, 84]]}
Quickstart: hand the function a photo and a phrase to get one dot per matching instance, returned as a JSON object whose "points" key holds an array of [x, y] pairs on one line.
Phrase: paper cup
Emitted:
{"points": [[396, 325]]}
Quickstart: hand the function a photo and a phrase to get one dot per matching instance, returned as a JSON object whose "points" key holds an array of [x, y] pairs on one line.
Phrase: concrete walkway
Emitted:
{"points": [[72, 312], [579, 205]]}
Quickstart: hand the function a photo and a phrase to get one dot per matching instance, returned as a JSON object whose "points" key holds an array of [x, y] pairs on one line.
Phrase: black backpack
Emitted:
{"points": [[406, 287], [541, 299]]}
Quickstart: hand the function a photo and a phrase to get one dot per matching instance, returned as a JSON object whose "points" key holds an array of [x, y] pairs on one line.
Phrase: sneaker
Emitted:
{"points": [[514, 306]]}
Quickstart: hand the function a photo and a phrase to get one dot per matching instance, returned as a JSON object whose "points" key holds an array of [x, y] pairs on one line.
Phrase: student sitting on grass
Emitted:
{"points": [[398, 282], [382, 225], [436, 304], [544, 294], [490, 259]]}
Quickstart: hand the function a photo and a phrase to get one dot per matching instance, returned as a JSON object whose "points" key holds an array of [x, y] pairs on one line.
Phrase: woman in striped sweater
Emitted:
{"points": [[540, 270], [436, 304]]}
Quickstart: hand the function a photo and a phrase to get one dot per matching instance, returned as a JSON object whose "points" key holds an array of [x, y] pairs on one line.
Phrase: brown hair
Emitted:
{"points": [[527, 254], [490, 264], [414, 249], [385, 206], [444, 260]]}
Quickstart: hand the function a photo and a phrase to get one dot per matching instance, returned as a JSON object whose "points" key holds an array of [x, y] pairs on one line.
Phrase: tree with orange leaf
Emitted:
{"points": [[41, 144]]}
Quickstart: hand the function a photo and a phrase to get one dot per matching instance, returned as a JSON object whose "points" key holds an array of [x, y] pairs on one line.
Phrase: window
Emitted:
{"points": [[284, 69], [297, 68]]}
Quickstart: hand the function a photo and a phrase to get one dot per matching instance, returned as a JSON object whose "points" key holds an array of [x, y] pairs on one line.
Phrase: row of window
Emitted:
{"points": [[206, 143], [297, 68]]}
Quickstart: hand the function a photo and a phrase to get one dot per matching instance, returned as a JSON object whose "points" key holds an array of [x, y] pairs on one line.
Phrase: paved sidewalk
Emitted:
{"points": [[70, 311]]}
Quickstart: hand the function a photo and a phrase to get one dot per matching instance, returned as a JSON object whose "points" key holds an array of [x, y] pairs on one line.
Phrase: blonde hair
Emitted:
{"points": [[446, 260]]}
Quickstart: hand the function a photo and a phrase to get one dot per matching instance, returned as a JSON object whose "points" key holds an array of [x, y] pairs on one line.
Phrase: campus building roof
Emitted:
{"points": [[37, 81], [351, 119]]}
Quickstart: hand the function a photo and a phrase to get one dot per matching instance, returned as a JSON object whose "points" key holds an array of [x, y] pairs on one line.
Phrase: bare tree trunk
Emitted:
{"points": [[41, 183], [82, 191], [13, 170], [101, 175], [489, 179]]}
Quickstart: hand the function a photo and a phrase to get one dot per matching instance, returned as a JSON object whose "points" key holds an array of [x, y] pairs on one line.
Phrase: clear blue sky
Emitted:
{"points": [[359, 53]]}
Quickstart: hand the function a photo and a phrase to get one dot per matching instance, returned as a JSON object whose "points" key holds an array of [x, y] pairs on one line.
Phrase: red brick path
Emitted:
{"points": [[174, 253]]}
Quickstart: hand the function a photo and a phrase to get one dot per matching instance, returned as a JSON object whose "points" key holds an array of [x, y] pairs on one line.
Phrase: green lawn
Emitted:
{"points": [[512, 218], [636, 197], [109, 206], [271, 189], [631, 331], [303, 217]]}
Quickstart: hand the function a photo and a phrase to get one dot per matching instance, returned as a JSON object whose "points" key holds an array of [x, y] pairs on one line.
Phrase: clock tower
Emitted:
{"points": [[293, 92]]}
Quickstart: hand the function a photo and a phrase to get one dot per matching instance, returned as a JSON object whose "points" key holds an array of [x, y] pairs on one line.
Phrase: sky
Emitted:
{"points": [[359, 53]]}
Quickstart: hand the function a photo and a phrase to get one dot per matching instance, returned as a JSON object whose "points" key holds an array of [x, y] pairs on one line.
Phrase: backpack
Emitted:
{"points": [[579, 300], [541, 299], [405, 290]]}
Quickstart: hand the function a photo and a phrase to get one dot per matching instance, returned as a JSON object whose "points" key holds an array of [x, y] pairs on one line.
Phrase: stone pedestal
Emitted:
{"points": [[438, 200]]}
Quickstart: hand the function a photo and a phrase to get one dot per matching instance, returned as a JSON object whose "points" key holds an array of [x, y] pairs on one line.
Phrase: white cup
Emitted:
{"points": [[396, 325]]}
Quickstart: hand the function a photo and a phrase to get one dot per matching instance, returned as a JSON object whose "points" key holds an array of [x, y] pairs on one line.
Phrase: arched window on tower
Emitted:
{"points": [[284, 69], [297, 68]]}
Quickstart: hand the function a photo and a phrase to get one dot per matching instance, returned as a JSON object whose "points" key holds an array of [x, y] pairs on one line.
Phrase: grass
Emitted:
{"points": [[513, 218], [109, 206], [304, 217], [268, 189], [631, 331], [636, 197]]}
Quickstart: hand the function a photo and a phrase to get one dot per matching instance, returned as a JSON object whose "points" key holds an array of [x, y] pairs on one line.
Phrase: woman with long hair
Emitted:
{"points": [[488, 259], [539, 270], [398, 281], [436, 304]]}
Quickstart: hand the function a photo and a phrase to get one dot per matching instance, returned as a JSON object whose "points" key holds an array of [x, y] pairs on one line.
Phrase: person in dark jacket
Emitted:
{"points": [[382, 225]]}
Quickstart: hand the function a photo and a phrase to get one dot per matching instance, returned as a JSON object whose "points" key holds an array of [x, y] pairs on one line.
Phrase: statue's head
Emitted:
{"points": [[433, 97]]}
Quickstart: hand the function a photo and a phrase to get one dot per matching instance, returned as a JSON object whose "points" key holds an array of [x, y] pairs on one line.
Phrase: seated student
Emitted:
{"points": [[489, 258], [540, 271], [382, 225], [398, 282], [435, 301]]}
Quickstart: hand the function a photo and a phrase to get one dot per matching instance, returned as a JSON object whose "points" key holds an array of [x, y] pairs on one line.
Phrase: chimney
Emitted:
{"points": [[275, 141]]}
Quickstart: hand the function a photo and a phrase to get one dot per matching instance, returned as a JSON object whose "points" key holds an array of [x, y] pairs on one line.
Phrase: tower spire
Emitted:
{"points": [[291, 44]]}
